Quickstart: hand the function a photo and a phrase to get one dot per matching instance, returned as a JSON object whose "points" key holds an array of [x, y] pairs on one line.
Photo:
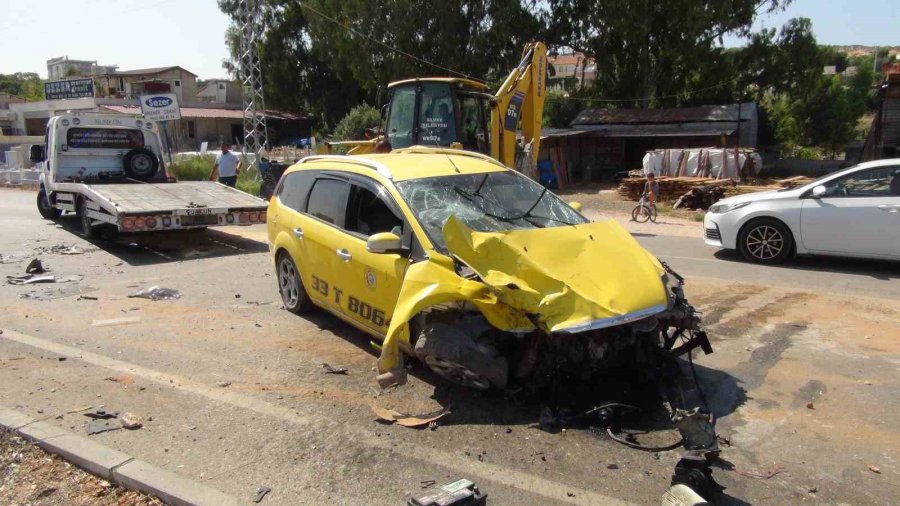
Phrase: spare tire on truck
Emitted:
{"points": [[140, 164]]}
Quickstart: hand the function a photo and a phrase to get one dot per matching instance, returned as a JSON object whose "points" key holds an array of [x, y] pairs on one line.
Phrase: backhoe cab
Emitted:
{"points": [[462, 114]]}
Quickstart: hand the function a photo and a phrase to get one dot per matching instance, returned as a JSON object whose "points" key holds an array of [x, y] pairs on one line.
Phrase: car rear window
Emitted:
{"points": [[105, 138]]}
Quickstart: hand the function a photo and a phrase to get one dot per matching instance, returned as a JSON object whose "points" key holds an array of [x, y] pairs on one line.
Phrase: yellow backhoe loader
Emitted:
{"points": [[462, 114]]}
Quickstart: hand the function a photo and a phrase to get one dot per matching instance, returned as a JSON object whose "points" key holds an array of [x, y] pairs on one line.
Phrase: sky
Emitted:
{"points": [[191, 33]]}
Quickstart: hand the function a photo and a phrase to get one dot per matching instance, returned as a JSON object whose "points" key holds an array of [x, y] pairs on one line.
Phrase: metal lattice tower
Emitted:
{"points": [[256, 137]]}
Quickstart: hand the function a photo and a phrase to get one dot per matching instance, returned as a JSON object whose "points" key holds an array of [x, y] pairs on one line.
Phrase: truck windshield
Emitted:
{"points": [[486, 202]]}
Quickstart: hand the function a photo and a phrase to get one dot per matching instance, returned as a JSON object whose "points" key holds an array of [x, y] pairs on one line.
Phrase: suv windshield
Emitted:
{"points": [[487, 202]]}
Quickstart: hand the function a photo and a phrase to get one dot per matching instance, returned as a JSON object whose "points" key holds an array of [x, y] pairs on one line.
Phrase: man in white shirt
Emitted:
{"points": [[228, 165]]}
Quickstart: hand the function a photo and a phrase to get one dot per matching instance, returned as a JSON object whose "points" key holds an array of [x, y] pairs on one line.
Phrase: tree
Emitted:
{"points": [[657, 51], [560, 109], [352, 127], [27, 85]]}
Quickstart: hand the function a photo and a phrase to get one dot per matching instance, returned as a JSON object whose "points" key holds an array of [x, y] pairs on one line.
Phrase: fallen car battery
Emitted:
{"points": [[458, 493]]}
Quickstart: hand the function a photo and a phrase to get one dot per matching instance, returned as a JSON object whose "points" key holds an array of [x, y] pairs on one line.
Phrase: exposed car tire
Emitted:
{"points": [[766, 241], [88, 230], [45, 206], [290, 285], [453, 356], [140, 164]]}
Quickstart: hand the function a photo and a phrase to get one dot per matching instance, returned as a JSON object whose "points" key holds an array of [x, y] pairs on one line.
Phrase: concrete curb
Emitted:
{"points": [[113, 465]]}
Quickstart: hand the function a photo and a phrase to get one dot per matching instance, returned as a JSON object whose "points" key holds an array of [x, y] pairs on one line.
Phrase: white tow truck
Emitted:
{"points": [[108, 169]]}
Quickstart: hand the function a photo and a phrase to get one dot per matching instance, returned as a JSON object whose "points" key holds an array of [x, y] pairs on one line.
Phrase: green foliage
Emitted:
{"points": [[560, 109], [195, 168], [27, 85], [352, 127], [809, 153]]}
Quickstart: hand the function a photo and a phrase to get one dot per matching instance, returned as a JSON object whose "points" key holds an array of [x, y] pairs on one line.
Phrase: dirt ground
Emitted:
{"points": [[804, 383], [602, 202], [29, 475]]}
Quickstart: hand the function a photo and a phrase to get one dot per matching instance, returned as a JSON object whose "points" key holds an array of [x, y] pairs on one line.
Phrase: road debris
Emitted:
{"points": [[28, 279], [810, 405], [62, 249], [156, 293], [132, 421], [86, 297], [102, 414], [98, 425], [334, 370], [79, 410], [407, 420], [261, 492], [35, 267], [127, 320], [874, 469], [223, 384], [459, 492]]}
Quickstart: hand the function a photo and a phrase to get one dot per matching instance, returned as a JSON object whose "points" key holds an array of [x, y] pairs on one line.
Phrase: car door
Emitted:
{"points": [[321, 227], [858, 215], [371, 282], [285, 215]]}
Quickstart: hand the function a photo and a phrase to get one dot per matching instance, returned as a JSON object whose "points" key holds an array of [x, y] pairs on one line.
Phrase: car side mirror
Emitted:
{"points": [[576, 206], [384, 242], [819, 192], [36, 153]]}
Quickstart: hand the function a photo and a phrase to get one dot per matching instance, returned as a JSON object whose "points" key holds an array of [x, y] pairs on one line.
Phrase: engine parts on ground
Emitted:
{"points": [[461, 492]]}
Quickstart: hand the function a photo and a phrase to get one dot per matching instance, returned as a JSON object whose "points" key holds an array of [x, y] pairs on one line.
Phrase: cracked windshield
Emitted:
{"points": [[489, 202]]}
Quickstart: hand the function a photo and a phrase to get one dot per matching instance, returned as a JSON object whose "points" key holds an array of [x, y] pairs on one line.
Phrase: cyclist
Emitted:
{"points": [[651, 189]]}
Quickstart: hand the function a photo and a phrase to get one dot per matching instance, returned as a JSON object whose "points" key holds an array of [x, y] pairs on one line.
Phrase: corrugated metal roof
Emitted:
{"points": [[560, 132], [682, 115], [704, 129]]}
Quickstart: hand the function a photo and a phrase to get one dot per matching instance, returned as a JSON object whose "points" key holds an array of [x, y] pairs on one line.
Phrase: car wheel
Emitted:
{"points": [[140, 164], [45, 206], [453, 356], [290, 285], [88, 230], [766, 241]]}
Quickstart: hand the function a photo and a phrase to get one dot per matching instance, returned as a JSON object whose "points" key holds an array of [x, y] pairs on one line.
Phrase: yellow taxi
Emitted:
{"points": [[475, 269]]}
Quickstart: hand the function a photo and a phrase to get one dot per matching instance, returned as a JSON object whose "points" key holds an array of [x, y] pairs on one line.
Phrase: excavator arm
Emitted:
{"points": [[521, 97]]}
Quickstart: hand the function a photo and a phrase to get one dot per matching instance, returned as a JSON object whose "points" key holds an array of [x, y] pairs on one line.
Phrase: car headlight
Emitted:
{"points": [[724, 208]]}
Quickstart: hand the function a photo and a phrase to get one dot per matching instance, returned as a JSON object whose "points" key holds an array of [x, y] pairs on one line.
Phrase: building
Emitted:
{"points": [[220, 91], [884, 134], [571, 71], [6, 126], [62, 67], [602, 142], [134, 83], [200, 121]]}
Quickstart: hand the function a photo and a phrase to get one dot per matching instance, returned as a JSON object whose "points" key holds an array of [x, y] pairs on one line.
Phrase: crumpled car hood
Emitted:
{"points": [[575, 278]]}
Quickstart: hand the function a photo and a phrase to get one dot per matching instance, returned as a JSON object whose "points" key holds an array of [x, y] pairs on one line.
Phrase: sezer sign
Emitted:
{"points": [[160, 107]]}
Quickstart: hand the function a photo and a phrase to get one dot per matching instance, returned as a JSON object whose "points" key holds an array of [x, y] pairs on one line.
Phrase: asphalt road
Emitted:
{"points": [[803, 381], [692, 257]]}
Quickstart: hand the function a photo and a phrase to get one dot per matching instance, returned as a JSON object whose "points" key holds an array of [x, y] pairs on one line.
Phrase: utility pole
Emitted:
{"points": [[256, 137]]}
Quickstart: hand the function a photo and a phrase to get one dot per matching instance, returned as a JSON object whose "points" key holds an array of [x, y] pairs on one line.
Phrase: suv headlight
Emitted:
{"points": [[724, 208]]}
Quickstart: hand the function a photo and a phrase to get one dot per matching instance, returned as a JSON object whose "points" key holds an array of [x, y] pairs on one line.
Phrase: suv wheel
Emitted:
{"points": [[766, 241], [452, 355], [293, 293]]}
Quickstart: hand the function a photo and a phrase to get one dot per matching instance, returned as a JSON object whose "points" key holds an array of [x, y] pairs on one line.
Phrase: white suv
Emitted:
{"points": [[854, 212]]}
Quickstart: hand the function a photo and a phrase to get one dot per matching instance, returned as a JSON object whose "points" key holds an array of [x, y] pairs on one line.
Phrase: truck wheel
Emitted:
{"points": [[453, 355], [88, 230], [290, 285], [140, 164], [45, 206]]}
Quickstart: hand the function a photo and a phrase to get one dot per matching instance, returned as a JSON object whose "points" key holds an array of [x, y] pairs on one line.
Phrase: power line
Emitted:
{"points": [[380, 43], [461, 74]]}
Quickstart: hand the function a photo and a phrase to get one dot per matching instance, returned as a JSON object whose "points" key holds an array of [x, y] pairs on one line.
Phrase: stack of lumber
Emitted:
{"points": [[670, 188], [701, 192]]}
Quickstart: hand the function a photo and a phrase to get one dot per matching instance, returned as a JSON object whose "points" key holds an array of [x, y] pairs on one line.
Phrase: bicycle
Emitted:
{"points": [[644, 210]]}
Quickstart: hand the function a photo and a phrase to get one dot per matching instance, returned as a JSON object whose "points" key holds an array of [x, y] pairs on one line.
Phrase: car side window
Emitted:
{"points": [[328, 201], [876, 182], [295, 188], [369, 213]]}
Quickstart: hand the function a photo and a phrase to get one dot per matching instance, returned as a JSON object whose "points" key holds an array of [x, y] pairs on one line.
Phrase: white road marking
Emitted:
{"points": [[512, 478], [691, 258]]}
